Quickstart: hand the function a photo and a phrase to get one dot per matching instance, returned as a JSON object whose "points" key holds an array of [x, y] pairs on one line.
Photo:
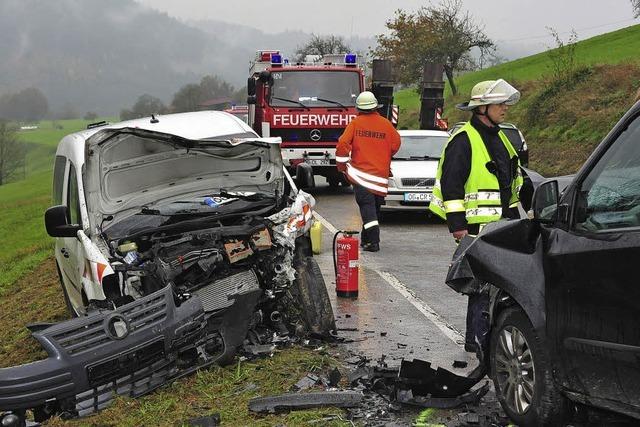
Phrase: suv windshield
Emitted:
{"points": [[315, 88], [421, 146]]}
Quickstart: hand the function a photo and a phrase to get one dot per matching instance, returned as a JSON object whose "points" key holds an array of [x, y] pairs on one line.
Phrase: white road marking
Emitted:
{"points": [[447, 329]]}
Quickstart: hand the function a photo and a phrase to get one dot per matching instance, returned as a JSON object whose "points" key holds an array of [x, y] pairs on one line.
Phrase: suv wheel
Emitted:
{"points": [[521, 372]]}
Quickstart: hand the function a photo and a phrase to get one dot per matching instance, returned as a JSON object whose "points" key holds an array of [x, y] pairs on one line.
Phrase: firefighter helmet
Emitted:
{"points": [[491, 92], [366, 101]]}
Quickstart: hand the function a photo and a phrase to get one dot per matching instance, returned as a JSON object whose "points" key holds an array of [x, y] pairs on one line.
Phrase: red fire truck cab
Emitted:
{"points": [[307, 104]]}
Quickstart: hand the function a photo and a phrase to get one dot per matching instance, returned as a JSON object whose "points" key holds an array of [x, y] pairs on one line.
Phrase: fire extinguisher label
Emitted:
{"points": [[353, 263]]}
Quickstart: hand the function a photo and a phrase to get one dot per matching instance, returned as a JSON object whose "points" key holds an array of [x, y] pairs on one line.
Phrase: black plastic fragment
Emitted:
{"points": [[471, 398], [208, 421], [334, 377], [293, 401], [423, 380]]}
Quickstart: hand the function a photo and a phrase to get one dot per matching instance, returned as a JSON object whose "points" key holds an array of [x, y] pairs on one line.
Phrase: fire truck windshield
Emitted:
{"points": [[314, 88]]}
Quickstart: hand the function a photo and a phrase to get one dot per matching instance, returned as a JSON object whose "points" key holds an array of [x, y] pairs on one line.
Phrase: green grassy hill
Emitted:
{"points": [[562, 122], [25, 242]]}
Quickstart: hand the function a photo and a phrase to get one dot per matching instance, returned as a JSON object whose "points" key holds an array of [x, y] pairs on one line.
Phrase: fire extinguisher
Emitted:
{"points": [[345, 263]]}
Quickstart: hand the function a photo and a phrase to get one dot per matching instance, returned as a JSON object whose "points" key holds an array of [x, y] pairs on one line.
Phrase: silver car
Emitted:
{"points": [[413, 170]]}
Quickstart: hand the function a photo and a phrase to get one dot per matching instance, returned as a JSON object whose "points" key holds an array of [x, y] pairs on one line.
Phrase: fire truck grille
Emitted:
{"points": [[418, 182], [304, 135]]}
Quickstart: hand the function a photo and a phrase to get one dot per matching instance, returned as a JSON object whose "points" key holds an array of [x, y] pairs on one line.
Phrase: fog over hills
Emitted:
{"points": [[100, 56]]}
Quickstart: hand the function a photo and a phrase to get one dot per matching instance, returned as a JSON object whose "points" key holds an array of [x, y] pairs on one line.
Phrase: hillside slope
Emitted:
{"points": [[562, 122]]}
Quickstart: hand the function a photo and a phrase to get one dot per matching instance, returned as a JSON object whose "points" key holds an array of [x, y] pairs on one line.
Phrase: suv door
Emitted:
{"points": [[593, 292]]}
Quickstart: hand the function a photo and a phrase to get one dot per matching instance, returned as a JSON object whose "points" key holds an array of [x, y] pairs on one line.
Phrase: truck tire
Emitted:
{"points": [[313, 299], [521, 372]]}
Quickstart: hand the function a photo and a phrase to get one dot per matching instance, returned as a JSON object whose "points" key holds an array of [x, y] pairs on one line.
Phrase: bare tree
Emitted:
{"points": [[12, 153], [322, 45], [444, 33], [635, 4]]}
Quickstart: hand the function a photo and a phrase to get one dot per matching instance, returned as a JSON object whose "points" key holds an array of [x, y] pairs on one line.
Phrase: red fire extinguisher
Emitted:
{"points": [[345, 263]]}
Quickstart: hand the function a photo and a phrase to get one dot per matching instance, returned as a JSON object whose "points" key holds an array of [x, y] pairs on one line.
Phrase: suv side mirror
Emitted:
{"points": [[545, 202], [55, 220]]}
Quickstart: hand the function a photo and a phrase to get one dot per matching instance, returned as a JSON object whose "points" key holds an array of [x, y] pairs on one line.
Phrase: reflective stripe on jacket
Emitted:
{"points": [[366, 147], [481, 203]]}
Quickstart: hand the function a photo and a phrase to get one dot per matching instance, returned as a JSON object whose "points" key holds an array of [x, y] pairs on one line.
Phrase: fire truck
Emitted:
{"points": [[307, 104]]}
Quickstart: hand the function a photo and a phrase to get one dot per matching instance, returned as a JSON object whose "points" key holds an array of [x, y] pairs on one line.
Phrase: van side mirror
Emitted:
{"points": [[251, 86], [545, 202], [55, 221], [251, 100]]}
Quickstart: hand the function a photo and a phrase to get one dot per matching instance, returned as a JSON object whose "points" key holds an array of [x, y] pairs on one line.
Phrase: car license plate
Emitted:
{"points": [[318, 162], [417, 197]]}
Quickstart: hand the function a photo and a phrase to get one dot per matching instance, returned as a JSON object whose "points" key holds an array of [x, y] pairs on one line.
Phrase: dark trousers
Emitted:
{"points": [[477, 321], [369, 205]]}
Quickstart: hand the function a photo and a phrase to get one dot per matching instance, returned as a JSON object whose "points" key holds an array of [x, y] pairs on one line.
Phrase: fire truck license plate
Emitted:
{"points": [[417, 197], [318, 162]]}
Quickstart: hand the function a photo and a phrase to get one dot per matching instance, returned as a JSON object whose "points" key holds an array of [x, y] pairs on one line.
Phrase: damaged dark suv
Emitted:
{"points": [[565, 301], [177, 238]]}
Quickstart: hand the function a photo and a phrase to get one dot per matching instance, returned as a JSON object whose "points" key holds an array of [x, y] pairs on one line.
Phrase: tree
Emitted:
{"points": [[190, 96], [12, 153], [443, 34], [28, 105], [145, 106], [321, 45], [635, 4], [563, 56], [187, 98]]}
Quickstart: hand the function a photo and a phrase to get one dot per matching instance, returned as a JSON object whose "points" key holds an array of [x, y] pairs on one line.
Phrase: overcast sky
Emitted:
{"points": [[520, 22]]}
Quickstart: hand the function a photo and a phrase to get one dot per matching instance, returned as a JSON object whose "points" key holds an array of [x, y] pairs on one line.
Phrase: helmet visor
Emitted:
{"points": [[500, 92]]}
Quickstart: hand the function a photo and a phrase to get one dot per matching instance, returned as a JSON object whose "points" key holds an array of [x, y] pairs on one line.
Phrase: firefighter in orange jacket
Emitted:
{"points": [[364, 154]]}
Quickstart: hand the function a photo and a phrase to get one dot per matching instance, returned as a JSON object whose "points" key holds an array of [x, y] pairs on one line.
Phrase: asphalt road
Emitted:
{"points": [[404, 309]]}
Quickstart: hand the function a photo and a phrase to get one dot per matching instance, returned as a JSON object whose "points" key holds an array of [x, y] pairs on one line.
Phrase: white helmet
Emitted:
{"points": [[491, 92], [366, 101]]}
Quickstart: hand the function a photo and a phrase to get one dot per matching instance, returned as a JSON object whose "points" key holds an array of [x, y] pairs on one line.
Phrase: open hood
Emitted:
{"points": [[130, 168]]}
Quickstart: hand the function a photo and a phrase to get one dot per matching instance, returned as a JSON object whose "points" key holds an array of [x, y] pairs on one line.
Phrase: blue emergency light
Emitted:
{"points": [[351, 58], [276, 59]]}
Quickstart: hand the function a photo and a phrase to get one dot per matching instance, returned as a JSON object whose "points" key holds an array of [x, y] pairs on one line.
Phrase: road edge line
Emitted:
{"points": [[447, 329]]}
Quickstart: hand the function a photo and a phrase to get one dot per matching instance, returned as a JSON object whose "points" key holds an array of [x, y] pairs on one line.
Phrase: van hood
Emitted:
{"points": [[128, 169]]}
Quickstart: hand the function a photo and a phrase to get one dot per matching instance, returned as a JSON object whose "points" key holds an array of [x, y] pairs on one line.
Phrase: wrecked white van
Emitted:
{"points": [[178, 237]]}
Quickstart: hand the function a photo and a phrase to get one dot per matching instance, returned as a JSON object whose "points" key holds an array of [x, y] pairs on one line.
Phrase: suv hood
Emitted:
{"points": [[127, 169]]}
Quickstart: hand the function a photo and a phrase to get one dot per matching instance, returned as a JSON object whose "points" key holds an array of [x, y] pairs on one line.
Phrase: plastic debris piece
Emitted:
{"points": [[208, 421], [306, 382], [334, 377], [292, 401]]}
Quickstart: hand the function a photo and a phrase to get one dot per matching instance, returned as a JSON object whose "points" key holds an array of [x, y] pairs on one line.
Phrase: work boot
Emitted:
{"points": [[371, 247]]}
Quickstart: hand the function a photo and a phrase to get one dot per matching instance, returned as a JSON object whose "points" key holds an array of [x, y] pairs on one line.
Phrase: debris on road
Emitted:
{"points": [[273, 404], [306, 382], [208, 421]]}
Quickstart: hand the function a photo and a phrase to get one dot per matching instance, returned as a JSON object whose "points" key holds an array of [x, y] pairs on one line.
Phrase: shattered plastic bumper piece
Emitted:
{"points": [[128, 351], [285, 402]]}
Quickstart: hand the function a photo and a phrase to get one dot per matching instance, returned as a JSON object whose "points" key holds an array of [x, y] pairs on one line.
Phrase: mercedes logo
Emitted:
{"points": [[316, 135], [117, 327]]}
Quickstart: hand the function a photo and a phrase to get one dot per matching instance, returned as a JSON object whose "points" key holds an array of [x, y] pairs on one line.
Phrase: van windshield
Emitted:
{"points": [[314, 88]]}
